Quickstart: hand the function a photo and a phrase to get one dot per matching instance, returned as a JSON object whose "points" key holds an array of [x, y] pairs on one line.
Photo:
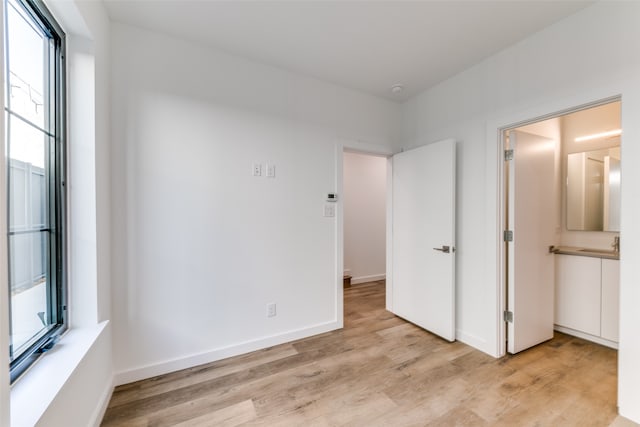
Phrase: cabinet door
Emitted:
{"points": [[610, 298], [578, 291]]}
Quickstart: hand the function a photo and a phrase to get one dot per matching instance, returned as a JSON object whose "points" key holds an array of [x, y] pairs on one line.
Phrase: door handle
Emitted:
{"points": [[444, 249]]}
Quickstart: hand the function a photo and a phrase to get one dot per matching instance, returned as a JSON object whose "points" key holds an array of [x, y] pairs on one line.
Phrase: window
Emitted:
{"points": [[35, 149]]}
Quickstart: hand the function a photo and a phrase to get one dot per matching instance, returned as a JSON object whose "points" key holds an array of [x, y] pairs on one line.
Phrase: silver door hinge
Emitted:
{"points": [[508, 236], [508, 316], [508, 155]]}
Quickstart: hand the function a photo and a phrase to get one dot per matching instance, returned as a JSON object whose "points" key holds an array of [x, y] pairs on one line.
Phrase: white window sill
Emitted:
{"points": [[32, 394]]}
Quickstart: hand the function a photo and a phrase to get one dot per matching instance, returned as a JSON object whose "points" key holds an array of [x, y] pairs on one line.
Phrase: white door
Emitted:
{"points": [[532, 217], [423, 221]]}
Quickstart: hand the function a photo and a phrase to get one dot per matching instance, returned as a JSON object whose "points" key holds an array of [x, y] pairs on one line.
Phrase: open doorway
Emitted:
{"points": [[561, 209], [365, 216]]}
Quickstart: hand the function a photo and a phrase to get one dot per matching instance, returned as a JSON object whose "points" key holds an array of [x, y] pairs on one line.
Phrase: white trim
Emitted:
{"points": [[339, 236], [359, 147], [389, 266], [493, 258], [176, 364], [585, 336], [454, 241], [365, 279], [101, 407]]}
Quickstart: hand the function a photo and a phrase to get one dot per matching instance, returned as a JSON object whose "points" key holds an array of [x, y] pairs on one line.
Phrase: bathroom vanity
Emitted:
{"points": [[587, 283]]}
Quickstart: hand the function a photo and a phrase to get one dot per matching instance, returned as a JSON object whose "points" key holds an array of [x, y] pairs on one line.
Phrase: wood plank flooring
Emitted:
{"points": [[380, 371]]}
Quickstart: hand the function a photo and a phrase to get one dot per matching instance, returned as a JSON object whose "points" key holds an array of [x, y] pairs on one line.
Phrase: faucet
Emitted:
{"points": [[616, 244]]}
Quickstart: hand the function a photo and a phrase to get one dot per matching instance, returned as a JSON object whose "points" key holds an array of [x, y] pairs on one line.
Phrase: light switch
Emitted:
{"points": [[271, 170], [329, 210]]}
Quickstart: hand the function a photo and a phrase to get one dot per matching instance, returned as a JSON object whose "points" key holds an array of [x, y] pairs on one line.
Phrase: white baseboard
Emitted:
{"points": [[172, 365], [585, 336], [103, 403], [365, 279]]}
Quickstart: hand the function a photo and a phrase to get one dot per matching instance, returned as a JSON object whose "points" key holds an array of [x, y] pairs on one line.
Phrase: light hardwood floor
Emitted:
{"points": [[380, 371]]}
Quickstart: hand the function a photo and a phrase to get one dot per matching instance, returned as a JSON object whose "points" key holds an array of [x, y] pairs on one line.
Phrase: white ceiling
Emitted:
{"points": [[364, 45]]}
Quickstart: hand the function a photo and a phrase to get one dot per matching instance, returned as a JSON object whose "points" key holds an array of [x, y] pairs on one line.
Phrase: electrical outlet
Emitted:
{"points": [[271, 309], [257, 169]]}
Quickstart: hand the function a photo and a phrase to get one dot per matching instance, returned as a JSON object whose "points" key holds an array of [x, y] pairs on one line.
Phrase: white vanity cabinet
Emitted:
{"points": [[587, 297], [610, 299], [578, 292]]}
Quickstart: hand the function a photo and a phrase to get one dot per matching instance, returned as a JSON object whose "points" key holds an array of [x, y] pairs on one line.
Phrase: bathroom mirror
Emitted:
{"points": [[593, 190]]}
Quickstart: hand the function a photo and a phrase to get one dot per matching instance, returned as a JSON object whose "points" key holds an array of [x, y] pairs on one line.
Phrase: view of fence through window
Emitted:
{"points": [[31, 155]]}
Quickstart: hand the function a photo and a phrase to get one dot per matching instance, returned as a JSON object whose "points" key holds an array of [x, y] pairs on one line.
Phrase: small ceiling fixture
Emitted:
{"points": [[397, 88], [599, 135]]}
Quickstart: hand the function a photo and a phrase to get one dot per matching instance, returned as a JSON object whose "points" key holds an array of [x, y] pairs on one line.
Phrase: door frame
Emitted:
{"points": [[495, 138]]}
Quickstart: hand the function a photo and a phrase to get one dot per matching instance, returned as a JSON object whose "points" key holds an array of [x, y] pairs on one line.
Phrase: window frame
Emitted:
{"points": [[57, 289]]}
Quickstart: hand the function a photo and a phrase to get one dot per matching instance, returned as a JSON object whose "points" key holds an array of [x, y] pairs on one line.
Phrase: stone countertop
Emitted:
{"points": [[589, 252]]}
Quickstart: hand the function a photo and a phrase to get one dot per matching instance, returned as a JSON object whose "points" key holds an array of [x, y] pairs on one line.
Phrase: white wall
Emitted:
{"points": [[591, 55], [365, 193], [200, 246]]}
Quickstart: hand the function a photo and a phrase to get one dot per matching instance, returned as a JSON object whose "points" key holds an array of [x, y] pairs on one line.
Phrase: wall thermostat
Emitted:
{"points": [[332, 197]]}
